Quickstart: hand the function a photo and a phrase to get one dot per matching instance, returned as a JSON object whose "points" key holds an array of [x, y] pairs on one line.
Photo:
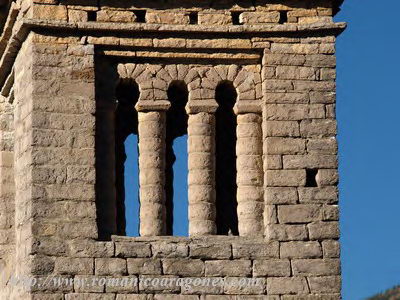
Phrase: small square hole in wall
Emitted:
{"points": [[193, 18], [236, 17], [92, 16], [140, 15], [311, 177], [283, 17]]}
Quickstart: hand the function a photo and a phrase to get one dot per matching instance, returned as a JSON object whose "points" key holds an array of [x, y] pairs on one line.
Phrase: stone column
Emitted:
{"points": [[249, 174], [152, 173], [201, 148]]}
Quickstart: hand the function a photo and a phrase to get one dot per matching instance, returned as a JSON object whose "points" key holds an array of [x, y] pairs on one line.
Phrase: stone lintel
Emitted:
{"points": [[249, 58]]}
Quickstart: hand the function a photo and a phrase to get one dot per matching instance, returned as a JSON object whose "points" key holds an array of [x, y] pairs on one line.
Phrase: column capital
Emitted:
{"points": [[249, 106], [159, 105], [198, 106]]}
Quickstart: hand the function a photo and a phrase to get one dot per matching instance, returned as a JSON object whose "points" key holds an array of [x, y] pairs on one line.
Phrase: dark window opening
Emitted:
{"points": [[226, 187], [92, 16], [311, 179], [140, 16], [236, 17], [176, 166], [126, 125], [193, 18], [283, 17]]}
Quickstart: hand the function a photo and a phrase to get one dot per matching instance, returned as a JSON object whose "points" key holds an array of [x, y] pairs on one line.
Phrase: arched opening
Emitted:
{"points": [[126, 158], [225, 171], [176, 161]]}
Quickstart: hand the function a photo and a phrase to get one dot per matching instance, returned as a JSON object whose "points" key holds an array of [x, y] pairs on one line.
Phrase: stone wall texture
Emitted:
{"points": [[60, 63]]}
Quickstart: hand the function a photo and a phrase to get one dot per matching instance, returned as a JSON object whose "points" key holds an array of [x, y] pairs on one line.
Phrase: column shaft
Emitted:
{"points": [[249, 175], [201, 148], [152, 173]]}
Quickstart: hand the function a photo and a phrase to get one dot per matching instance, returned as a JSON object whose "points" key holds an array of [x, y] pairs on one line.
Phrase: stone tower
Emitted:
{"points": [[252, 84]]}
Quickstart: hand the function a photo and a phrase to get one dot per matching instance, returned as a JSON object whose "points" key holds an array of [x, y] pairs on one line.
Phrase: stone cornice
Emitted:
{"points": [[109, 27], [13, 39]]}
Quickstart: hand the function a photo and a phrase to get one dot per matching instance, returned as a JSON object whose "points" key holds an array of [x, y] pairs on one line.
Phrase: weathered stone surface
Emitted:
{"points": [[286, 232], [85, 248], [331, 248], [144, 266], [300, 250], [214, 19], [155, 284], [281, 195], [294, 72], [259, 18], [282, 128], [318, 128], [228, 267], [272, 162], [299, 213], [89, 296], [317, 267], [294, 48], [328, 195], [77, 15], [324, 230], [110, 266], [115, 16], [160, 17], [287, 285], [330, 213], [276, 145], [236, 286], [255, 251], [286, 178], [309, 161], [81, 284], [271, 268], [206, 251], [212, 285], [297, 112], [122, 284], [169, 250], [71, 266], [327, 177], [325, 284], [322, 97], [193, 267], [132, 249], [49, 12], [322, 146]]}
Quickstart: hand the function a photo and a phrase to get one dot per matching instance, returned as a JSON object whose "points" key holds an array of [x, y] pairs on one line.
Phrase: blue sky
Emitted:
{"points": [[368, 111]]}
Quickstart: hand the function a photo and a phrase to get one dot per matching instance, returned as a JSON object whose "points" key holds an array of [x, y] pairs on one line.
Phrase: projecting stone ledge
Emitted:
{"points": [[121, 27]]}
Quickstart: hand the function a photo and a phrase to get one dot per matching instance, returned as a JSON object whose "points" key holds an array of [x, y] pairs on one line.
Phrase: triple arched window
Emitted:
{"points": [[213, 181]]}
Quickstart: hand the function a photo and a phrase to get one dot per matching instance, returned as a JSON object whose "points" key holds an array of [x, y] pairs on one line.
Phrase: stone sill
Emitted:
{"points": [[213, 239], [204, 248]]}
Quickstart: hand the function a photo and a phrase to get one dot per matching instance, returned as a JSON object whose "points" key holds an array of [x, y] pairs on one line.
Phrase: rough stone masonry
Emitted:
{"points": [[252, 85]]}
